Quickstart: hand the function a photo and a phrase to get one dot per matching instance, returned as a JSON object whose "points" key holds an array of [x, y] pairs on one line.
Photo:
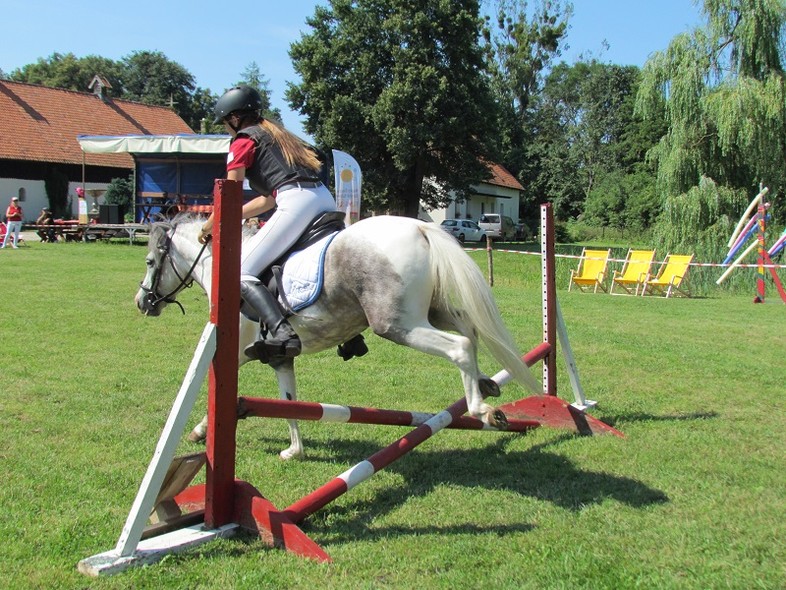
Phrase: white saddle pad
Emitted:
{"points": [[303, 274]]}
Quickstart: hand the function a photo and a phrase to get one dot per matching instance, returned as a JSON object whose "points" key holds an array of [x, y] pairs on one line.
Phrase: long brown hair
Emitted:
{"points": [[294, 149]]}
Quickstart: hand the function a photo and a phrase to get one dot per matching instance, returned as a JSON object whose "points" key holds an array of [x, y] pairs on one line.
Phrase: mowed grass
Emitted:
{"points": [[693, 497]]}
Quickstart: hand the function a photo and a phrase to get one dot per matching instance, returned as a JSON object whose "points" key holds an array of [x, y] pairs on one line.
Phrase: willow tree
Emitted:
{"points": [[725, 103]]}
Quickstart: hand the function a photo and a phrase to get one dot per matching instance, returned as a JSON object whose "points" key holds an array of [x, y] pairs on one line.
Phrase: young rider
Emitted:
{"points": [[286, 173]]}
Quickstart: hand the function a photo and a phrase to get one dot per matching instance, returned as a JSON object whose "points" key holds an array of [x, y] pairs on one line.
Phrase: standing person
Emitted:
{"points": [[286, 173], [13, 217]]}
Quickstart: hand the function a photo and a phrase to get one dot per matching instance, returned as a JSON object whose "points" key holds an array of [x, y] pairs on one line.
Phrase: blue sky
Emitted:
{"points": [[206, 38]]}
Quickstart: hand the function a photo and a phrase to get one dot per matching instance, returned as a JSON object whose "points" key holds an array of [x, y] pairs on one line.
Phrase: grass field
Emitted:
{"points": [[693, 497]]}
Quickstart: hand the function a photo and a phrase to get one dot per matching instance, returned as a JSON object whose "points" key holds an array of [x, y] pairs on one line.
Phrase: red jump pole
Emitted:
{"points": [[297, 410]]}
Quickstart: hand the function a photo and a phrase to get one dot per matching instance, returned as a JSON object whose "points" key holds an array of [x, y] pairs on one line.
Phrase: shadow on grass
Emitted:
{"points": [[613, 420], [533, 473]]}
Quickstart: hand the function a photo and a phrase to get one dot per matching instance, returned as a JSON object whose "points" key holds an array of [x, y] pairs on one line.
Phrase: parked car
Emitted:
{"points": [[464, 230], [498, 227]]}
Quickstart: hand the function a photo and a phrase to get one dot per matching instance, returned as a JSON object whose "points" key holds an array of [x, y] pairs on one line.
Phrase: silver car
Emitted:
{"points": [[464, 230]]}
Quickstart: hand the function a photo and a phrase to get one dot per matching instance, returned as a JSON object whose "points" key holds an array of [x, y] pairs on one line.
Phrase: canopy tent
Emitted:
{"points": [[154, 144], [168, 169]]}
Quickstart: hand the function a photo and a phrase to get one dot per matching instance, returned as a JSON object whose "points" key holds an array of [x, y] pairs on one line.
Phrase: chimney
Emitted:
{"points": [[97, 85]]}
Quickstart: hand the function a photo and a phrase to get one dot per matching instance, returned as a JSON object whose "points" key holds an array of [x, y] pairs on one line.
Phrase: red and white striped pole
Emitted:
{"points": [[315, 411], [365, 469]]}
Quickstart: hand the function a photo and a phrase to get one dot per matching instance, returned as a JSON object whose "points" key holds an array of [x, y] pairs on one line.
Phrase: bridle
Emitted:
{"points": [[152, 296]]}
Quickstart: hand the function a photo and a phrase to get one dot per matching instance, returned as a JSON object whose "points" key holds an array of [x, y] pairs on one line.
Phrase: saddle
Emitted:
{"points": [[320, 227]]}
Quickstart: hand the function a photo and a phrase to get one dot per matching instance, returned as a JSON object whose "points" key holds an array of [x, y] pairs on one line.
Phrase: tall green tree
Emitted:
{"points": [[252, 76], [151, 78], [725, 101], [521, 41], [723, 87], [590, 139], [399, 84]]}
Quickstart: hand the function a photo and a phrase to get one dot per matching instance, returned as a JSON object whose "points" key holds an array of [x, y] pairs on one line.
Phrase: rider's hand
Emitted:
{"points": [[204, 236]]}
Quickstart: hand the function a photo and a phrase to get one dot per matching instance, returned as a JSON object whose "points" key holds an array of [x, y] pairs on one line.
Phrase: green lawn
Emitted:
{"points": [[693, 497]]}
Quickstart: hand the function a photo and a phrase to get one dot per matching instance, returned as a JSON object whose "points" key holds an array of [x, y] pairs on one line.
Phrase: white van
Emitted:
{"points": [[498, 227]]}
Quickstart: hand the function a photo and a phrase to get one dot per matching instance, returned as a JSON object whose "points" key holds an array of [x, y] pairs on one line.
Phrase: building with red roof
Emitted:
{"points": [[500, 193], [38, 138]]}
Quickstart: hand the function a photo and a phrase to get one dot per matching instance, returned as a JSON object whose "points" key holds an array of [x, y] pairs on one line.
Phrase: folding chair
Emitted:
{"points": [[591, 271], [671, 278], [635, 270], [4, 230]]}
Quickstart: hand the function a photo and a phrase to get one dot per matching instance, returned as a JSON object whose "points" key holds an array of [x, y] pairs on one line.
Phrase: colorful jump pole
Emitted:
{"points": [[756, 200]]}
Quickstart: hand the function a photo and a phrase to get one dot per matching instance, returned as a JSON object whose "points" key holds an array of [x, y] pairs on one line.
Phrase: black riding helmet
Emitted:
{"points": [[241, 99]]}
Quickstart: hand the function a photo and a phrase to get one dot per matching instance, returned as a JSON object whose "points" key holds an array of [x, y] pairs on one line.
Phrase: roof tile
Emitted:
{"points": [[41, 124]]}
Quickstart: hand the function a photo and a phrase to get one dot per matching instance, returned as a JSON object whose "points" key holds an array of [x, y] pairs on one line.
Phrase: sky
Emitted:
{"points": [[216, 42]]}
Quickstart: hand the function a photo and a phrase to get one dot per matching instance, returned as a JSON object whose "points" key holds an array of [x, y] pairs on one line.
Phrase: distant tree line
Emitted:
{"points": [[148, 77], [423, 93]]}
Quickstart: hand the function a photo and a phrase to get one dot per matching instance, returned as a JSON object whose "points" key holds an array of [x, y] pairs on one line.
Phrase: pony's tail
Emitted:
{"points": [[461, 290]]}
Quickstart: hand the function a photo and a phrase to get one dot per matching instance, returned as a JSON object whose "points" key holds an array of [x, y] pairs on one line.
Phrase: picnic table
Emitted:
{"points": [[67, 230]]}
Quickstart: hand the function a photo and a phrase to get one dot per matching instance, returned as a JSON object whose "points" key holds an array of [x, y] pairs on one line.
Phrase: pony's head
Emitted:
{"points": [[169, 269]]}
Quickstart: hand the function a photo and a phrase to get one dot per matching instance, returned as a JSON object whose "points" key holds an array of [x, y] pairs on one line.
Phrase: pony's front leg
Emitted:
{"points": [[285, 375], [199, 433], [248, 332]]}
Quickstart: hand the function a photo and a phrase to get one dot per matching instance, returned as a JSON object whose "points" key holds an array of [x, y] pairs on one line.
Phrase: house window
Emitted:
{"points": [[22, 194]]}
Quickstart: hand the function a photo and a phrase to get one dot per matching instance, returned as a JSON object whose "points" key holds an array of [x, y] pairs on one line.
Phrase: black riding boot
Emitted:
{"points": [[281, 340]]}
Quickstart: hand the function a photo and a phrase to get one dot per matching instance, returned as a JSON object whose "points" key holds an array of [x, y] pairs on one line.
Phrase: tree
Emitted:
{"points": [[520, 46], [252, 76], [120, 191], [142, 76], [70, 72], [151, 78], [400, 85], [725, 101], [589, 140]]}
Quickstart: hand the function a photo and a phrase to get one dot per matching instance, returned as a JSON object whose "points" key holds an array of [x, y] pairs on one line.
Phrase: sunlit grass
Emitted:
{"points": [[693, 497]]}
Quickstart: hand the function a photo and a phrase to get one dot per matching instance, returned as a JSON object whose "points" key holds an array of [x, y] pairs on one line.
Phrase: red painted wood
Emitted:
{"points": [[255, 512], [222, 377], [297, 410]]}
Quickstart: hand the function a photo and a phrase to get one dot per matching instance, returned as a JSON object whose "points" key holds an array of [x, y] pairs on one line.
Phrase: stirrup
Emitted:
{"points": [[266, 350]]}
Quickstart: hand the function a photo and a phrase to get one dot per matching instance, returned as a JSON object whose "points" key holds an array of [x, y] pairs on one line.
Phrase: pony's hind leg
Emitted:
{"points": [[462, 352], [444, 320]]}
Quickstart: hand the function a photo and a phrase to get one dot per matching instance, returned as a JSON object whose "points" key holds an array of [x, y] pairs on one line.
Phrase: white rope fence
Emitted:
{"points": [[623, 260]]}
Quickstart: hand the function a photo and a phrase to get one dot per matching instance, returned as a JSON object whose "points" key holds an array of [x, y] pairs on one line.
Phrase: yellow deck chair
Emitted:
{"points": [[671, 278], [591, 271], [635, 270]]}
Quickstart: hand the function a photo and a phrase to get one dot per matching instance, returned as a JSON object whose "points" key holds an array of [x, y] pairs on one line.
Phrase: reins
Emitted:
{"points": [[152, 296]]}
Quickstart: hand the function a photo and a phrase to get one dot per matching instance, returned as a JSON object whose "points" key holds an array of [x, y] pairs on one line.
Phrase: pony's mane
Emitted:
{"points": [[187, 220]]}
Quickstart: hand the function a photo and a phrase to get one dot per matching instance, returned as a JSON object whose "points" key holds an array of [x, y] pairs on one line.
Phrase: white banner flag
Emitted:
{"points": [[348, 184]]}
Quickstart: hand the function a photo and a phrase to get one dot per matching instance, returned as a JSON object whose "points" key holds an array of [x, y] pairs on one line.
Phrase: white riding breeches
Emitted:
{"points": [[296, 208]]}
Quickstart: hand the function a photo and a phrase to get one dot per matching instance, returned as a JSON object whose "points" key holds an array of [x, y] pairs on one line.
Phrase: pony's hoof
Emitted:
{"points": [[196, 437], [290, 454], [498, 420], [488, 388]]}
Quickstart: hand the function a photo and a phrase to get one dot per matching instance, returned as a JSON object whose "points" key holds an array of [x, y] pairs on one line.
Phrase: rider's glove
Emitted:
{"points": [[204, 236]]}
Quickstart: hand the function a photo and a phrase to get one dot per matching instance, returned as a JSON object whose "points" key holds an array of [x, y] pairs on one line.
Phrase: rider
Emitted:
{"points": [[286, 172]]}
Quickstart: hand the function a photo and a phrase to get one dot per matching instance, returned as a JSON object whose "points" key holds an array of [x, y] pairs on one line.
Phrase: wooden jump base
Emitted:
{"points": [[224, 505]]}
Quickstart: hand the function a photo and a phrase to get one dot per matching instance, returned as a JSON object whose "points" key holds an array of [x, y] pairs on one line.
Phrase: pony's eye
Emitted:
{"points": [[149, 262]]}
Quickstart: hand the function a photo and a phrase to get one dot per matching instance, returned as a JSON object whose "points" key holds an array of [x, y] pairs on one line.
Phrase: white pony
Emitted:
{"points": [[407, 280]]}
